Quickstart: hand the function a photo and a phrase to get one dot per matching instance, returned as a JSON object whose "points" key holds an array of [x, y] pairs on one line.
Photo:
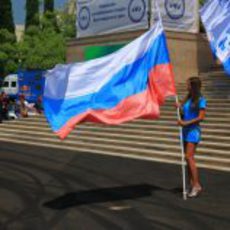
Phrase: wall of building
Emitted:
{"points": [[19, 30], [190, 53]]}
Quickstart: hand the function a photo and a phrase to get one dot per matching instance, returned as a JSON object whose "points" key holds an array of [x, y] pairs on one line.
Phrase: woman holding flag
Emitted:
{"points": [[193, 112]]}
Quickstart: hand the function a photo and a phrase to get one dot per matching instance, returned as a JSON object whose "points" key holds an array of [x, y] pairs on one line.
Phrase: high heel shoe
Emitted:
{"points": [[195, 192]]}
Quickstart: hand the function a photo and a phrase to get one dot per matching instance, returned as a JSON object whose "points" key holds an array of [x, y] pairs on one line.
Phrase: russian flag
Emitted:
{"points": [[128, 84]]}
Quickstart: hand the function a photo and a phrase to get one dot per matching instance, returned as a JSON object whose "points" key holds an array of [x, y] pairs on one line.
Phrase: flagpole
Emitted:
{"points": [[183, 163]]}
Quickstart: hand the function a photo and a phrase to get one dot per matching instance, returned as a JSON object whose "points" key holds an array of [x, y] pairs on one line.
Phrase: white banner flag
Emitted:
{"points": [[215, 15], [178, 15], [95, 17]]}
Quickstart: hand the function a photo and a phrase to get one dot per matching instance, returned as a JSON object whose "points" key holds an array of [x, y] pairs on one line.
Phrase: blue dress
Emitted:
{"points": [[192, 133]]}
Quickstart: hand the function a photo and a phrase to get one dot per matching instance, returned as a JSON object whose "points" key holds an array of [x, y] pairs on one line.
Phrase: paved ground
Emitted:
{"points": [[44, 189]]}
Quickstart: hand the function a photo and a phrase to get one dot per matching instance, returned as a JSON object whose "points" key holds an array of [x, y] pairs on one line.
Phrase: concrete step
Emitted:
{"points": [[211, 109], [145, 137], [212, 77], [168, 118], [170, 132], [207, 93], [145, 125], [110, 149], [218, 128], [213, 119], [220, 93], [159, 143], [208, 86], [101, 142], [213, 100], [168, 111], [156, 158], [212, 103], [208, 134], [222, 82], [218, 78], [223, 96], [209, 80], [155, 140]]}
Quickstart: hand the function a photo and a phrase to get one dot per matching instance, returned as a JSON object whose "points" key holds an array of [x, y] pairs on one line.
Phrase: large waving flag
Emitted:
{"points": [[215, 15], [119, 87]]}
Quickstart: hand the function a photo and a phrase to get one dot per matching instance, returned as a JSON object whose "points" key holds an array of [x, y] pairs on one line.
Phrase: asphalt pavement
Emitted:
{"points": [[46, 189]]}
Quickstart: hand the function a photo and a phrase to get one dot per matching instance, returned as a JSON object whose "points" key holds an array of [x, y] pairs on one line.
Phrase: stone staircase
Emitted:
{"points": [[155, 140]]}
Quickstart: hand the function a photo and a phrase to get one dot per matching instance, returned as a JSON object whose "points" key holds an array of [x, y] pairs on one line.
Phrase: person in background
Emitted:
{"points": [[38, 105], [12, 109], [5, 104], [193, 108], [23, 106]]}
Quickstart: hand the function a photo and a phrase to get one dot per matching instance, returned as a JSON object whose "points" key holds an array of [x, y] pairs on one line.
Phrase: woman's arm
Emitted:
{"points": [[200, 117]]}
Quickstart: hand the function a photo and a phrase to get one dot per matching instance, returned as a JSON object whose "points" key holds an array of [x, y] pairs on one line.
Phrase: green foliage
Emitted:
{"points": [[8, 53], [42, 47], [45, 50], [6, 18], [32, 13], [6, 36], [66, 24], [45, 46], [49, 20]]}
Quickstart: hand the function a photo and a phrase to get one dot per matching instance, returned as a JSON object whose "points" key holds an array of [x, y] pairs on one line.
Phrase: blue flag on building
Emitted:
{"points": [[215, 15]]}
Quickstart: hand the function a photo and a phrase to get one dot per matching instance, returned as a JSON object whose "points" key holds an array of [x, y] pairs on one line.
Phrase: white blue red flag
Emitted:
{"points": [[128, 84], [215, 15]]}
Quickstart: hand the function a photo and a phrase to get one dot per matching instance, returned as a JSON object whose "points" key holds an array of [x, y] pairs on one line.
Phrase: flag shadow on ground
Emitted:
{"points": [[101, 195]]}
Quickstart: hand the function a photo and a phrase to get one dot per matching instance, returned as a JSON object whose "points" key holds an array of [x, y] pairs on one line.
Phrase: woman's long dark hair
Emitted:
{"points": [[195, 91]]}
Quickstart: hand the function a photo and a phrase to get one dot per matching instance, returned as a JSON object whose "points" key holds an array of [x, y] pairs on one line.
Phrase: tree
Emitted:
{"points": [[44, 46], [6, 18], [66, 24], [32, 13], [49, 15], [8, 53], [49, 5]]}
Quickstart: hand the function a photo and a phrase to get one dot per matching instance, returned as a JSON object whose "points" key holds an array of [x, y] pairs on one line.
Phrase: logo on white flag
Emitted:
{"points": [[136, 10], [175, 8], [84, 18], [224, 47]]}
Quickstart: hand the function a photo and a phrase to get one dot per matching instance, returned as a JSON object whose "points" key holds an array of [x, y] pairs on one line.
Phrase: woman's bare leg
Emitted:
{"points": [[188, 168], [190, 152]]}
